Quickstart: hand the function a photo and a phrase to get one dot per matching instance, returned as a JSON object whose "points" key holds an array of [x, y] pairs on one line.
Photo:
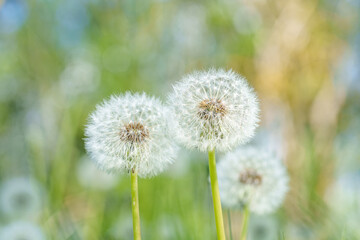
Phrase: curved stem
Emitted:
{"points": [[135, 205], [245, 222], [216, 196]]}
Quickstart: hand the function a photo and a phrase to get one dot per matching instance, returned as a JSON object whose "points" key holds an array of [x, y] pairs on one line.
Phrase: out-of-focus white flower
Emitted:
{"points": [[189, 29], [20, 197], [91, 177], [79, 77], [251, 177], [298, 231], [22, 230], [262, 228], [213, 109], [130, 132]]}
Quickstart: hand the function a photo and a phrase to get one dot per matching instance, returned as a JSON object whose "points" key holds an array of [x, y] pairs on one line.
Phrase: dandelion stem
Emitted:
{"points": [[229, 221], [135, 205], [245, 222], [216, 196]]}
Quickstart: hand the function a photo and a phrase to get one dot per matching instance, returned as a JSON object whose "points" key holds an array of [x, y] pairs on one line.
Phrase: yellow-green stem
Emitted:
{"points": [[245, 222], [216, 196], [135, 205]]}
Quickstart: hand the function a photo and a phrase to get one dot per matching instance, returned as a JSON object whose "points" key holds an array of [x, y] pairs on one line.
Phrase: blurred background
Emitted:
{"points": [[58, 59]]}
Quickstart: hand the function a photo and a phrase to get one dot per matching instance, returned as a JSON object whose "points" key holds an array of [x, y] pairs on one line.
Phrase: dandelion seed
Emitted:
{"points": [[22, 230], [249, 177], [213, 109], [20, 197], [130, 132]]}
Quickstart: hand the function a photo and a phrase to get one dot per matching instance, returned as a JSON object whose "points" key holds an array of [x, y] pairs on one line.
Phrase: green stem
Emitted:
{"points": [[216, 196], [245, 222], [135, 205], [230, 228]]}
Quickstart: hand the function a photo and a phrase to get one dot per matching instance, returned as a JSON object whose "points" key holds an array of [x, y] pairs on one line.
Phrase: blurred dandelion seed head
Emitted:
{"points": [[251, 177], [214, 108], [248, 176], [80, 77], [22, 230], [20, 197], [130, 132]]}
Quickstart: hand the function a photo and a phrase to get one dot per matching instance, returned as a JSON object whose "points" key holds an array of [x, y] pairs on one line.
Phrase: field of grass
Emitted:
{"points": [[58, 59]]}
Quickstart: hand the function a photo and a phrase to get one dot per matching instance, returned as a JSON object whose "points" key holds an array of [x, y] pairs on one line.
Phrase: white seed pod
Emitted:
{"points": [[130, 132], [213, 109], [22, 230], [20, 197], [251, 177]]}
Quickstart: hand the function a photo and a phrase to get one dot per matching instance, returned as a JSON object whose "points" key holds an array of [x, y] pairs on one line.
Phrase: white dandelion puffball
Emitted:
{"points": [[251, 177], [22, 230], [130, 132], [213, 109], [20, 197]]}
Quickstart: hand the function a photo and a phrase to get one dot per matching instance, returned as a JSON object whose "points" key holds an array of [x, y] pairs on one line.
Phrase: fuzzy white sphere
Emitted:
{"points": [[22, 230], [130, 132], [20, 197], [213, 109], [251, 177]]}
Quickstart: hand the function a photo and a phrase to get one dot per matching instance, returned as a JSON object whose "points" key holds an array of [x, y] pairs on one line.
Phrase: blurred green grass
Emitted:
{"points": [[64, 57]]}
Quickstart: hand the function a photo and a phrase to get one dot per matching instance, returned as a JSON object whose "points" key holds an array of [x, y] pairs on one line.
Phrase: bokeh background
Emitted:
{"points": [[58, 59]]}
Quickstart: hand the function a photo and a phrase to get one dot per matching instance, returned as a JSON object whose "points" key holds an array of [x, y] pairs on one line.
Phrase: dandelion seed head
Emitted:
{"points": [[251, 177], [134, 133], [214, 108], [130, 132], [20, 197]]}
